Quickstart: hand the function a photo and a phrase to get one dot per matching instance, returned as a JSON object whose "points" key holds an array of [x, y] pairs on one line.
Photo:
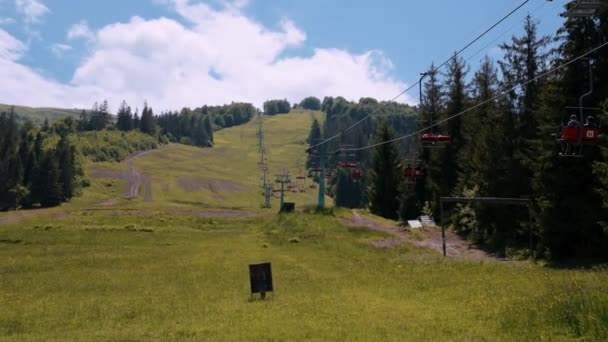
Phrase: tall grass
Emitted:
{"points": [[170, 277]]}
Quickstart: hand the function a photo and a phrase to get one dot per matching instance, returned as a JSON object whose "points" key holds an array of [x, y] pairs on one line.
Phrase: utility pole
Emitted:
{"points": [[266, 186], [283, 179], [320, 152], [321, 200]]}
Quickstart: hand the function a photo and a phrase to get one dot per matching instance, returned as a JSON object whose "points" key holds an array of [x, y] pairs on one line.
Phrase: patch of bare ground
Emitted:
{"points": [[19, 216], [425, 237], [134, 180], [193, 184], [108, 203], [15, 218], [387, 243], [224, 214], [176, 212], [357, 220], [455, 245]]}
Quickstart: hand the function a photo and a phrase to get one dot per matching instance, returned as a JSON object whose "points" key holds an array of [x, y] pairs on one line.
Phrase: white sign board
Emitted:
{"points": [[414, 224]]}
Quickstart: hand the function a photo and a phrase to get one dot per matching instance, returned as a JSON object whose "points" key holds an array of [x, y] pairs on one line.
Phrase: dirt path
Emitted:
{"points": [[427, 237], [133, 178]]}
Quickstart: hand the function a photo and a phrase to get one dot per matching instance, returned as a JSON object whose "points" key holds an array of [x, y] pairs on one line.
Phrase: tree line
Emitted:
{"points": [[196, 127], [342, 114], [40, 167], [191, 127], [506, 146], [35, 171]]}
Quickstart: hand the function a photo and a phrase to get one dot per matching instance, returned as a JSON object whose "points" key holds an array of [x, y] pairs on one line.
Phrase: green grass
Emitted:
{"points": [[226, 176], [173, 278], [135, 270], [38, 115]]}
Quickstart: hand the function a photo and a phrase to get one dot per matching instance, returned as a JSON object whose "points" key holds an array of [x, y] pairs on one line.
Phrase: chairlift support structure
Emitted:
{"points": [[584, 8]]}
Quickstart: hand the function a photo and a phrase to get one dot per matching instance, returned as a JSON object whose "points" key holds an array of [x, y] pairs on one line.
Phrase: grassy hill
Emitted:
{"points": [[171, 263], [226, 176], [38, 115]]}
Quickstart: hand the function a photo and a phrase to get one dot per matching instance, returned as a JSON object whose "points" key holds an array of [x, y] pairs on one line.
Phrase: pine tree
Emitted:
{"points": [[148, 124], [385, 175], [100, 118], [348, 192], [136, 120], [568, 197], [199, 135], [83, 121], [48, 182], [314, 137], [37, 187], [208, 128], [432, 104], [124, 120], [11, 170], [65, 155], [456, 101]]}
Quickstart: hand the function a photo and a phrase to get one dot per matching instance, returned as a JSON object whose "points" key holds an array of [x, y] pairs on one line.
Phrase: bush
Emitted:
{"points": [[116, 146]]}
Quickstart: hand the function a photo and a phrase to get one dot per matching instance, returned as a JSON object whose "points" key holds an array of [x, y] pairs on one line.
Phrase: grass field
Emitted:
{"points": [[170, 278], [228, 175], [167, 270]]}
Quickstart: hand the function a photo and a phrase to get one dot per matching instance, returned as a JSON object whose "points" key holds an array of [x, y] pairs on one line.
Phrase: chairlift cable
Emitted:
{"points": [[506, 92], [342, 132]]}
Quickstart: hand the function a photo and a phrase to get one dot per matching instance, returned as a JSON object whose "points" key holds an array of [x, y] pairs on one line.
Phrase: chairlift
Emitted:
{"points": [[584, 8], [357, 174], [574, 135], [413, 173], [349, 164], [431, 139]]}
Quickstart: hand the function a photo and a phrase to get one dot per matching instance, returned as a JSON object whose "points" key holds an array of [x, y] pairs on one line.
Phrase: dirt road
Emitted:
{"points": [[428, 237], [134, 179]]}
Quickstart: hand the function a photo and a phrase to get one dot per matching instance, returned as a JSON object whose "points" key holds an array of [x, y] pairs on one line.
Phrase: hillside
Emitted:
{"points": [[158, 248], [226, 176], [38, 115]]}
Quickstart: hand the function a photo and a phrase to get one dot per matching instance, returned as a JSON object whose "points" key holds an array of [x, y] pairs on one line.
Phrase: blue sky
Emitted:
{"points": [[81, 51]]}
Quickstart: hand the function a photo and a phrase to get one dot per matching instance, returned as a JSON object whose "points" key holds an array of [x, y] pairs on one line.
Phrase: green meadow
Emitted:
{"points": [[175, 266]]}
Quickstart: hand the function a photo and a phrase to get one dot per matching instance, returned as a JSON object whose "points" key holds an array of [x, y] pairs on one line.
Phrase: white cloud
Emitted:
{"points": [[81, 30], [59, 49], [22, 85], [222, 56], [7, 21], [32, 10], [10, 48]]}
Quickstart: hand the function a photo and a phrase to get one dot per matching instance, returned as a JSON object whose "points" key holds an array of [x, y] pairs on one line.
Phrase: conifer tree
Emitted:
{"points": [[385, 175], [124, 121], [432, 104], [136, 120], [48, 184], [313, 138], [148, 124], [65, 155], [455, 102], [208, 128]]}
